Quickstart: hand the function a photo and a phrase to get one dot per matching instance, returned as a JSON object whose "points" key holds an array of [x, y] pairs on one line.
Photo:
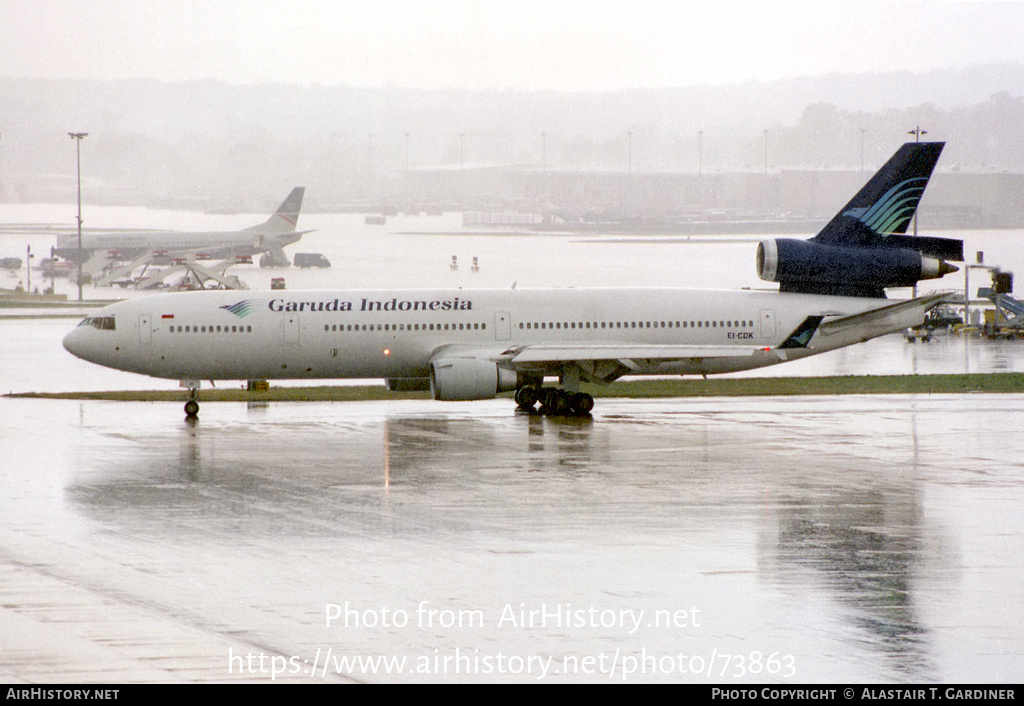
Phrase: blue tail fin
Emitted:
{"points": [[888, 201], [879, 214]]}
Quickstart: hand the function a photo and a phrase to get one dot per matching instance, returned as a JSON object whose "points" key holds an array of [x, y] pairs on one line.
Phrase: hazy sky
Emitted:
{"points": [[523, 44]]}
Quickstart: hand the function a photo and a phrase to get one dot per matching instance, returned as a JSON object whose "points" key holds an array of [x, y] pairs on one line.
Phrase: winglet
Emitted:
{"points": [[803, 333]]}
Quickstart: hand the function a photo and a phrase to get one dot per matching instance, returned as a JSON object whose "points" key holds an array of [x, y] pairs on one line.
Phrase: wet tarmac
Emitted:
{"points": [[722, 540], [784, 540]]}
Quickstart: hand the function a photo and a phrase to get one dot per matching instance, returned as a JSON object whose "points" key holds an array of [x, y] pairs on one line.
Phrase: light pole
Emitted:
{"points": [[916, 132], [77, 137], [700, 168], [766, 153], [408, 182], [765, 205], [462, 169], [545, 187], [700, 153], [369, 164]]}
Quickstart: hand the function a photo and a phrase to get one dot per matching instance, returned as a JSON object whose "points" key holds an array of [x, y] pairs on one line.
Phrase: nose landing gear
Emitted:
{"points": [[192, 406]]}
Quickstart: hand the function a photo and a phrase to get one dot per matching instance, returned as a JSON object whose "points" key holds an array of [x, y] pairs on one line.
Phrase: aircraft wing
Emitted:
{"points": [[556, 353], [854, 328], [523, 357], [605, 362]]}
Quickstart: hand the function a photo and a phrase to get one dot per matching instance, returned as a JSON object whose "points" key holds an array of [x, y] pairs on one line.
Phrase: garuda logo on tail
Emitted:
{"points": [[893, 211]]}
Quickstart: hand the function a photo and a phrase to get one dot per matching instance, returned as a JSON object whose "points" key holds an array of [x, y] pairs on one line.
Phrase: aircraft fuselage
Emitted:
{"points": [[396, 333]]}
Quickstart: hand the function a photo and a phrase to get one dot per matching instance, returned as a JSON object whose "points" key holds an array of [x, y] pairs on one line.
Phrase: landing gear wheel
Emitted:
{"points": [[554, 402], [581, 403], [191, 409], [526, 398]]}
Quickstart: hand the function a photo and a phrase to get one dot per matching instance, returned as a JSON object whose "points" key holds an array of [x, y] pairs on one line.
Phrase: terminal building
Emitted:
{"points": [[788, 199]]}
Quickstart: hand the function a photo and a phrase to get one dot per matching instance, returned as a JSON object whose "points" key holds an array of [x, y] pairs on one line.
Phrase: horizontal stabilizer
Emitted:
{"points": [[930, 246]]}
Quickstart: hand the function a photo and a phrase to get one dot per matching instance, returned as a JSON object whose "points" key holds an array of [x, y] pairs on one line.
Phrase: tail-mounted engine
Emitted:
{"points": [[815, 268]]}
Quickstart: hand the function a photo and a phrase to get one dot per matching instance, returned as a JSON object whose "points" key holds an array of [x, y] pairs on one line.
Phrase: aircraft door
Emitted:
{"points": [[291, 328], [145, 328], [502, 326], [767, 323]]}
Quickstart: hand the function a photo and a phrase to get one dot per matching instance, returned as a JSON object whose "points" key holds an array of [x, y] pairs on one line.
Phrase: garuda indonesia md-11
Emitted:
{"points": [[473, 344]]}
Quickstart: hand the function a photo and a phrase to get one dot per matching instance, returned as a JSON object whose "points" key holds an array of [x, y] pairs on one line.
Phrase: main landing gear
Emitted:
{"points": [[553, 401]]}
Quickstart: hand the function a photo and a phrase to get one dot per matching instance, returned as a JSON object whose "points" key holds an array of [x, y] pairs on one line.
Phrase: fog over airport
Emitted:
{"points": [[228, 105], [571, 46]]}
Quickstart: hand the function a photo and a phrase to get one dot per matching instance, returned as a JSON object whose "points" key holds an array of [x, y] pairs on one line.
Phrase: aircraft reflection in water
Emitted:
{"points": [[474, 344], [411, 447], [867, 546]]}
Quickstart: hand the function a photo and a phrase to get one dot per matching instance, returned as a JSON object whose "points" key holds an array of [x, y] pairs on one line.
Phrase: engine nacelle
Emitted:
{"points": [[454, 379], [806, 266]]}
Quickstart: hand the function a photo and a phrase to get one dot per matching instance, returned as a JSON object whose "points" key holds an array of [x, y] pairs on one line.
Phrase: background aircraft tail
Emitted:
{"points": [[286, 217], [864, 249]]}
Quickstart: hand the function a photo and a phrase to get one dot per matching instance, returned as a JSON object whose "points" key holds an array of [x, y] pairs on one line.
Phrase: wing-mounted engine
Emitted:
{"points": [[469, 378], [864, 249]]}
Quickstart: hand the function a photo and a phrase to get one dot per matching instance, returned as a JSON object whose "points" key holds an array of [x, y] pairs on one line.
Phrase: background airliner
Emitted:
{"points": [[271, 236], [473, 344]]}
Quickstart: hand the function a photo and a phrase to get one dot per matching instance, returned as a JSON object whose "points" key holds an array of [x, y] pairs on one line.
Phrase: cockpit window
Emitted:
{"points": [[103, 323]]}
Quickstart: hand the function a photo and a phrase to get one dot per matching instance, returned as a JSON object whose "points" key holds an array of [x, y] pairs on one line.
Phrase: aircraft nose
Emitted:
{"points": [[76, 342], [73, 342]]}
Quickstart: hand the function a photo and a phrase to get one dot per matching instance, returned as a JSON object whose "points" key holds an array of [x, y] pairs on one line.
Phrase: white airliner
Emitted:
{"points": [[473, 344], [267, 237]]}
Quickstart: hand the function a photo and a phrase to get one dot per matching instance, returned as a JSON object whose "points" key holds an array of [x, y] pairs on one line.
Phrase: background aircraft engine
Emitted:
{"points": [[805, 266], [469, 379]]}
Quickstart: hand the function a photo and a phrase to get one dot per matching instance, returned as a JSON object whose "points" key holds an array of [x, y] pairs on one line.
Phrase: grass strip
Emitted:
{"points": [[686, 387]]}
